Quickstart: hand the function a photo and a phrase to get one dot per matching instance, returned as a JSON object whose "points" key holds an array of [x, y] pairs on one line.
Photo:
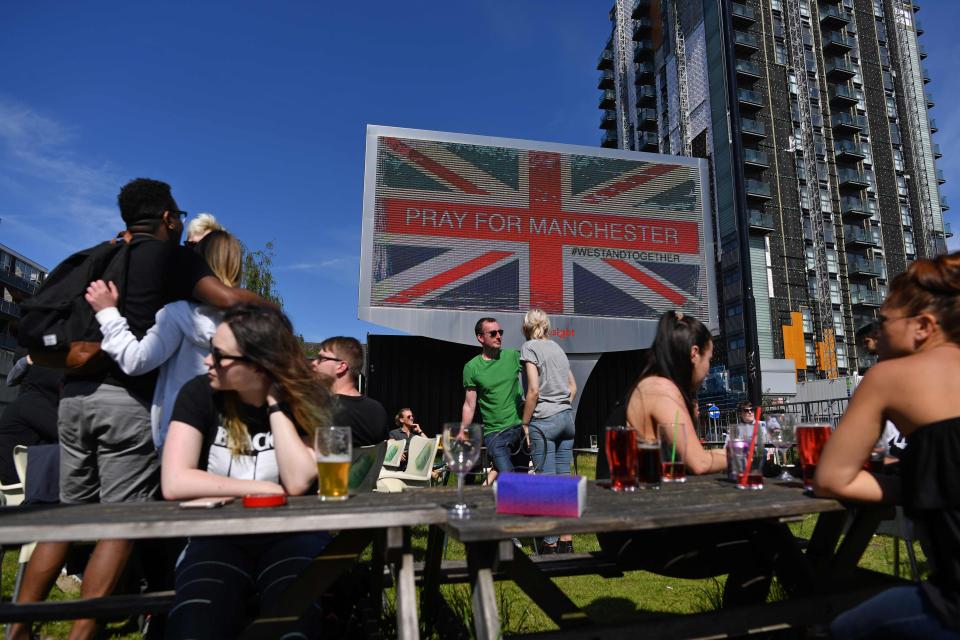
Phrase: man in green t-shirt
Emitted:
{"points": [[492, 380]]}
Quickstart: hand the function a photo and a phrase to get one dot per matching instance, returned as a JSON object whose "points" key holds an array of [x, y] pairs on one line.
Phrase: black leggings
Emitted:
{"points": [[29, 420], [216, 576]]}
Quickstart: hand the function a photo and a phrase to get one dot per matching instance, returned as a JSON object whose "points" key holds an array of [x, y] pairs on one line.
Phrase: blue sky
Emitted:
{"points": [[257, 111]]}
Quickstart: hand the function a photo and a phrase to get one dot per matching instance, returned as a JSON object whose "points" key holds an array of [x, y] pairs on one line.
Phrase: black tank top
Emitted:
{"points": [[931, 496]]}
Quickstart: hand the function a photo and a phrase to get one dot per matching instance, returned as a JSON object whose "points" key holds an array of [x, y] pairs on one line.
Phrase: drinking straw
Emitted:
{"points": [[753, 444], [673, 450]]}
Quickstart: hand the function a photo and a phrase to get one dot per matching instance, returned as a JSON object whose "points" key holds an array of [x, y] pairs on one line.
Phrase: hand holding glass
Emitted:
{"points": [[461, 450]]}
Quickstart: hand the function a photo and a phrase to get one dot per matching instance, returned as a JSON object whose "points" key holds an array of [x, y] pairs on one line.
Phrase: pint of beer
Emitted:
{"points": [[333, 447]]}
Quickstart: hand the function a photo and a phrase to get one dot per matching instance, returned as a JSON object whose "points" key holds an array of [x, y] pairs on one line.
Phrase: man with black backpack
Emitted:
{"points": [[107, 450]]}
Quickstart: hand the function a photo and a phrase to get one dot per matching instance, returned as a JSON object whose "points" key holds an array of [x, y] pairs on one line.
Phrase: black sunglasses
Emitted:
{"points": [[178, 212], [494, 333], [325, 358], [219, 356]]}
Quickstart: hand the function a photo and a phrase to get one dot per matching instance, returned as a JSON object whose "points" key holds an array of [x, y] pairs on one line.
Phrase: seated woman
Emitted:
{"points": [[916, 384], [180, 337], [677, 363], [406, 429], [242, 429]]}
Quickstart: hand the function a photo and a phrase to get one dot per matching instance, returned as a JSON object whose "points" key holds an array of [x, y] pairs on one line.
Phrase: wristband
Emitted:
{"points": [[274, 408]]}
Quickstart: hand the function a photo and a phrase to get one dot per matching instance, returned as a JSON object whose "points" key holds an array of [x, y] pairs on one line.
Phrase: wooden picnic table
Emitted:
{"points": [[383, 519], [700, 501]]}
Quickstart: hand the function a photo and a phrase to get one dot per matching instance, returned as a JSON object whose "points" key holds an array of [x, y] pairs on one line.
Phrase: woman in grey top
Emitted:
{"points": [[550, 392]]}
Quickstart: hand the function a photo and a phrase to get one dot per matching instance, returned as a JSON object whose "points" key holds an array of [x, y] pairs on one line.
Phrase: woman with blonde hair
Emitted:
{"points": [[916, 385], [547, 417], [200, 227], [179, 338], [244, 428]]}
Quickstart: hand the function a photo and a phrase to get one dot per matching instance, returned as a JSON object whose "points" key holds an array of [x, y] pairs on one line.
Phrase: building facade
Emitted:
{"points": [[19, 278], [813, 116]]}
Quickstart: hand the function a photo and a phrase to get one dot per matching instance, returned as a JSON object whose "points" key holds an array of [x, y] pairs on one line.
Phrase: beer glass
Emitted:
{"points": [[461, 450], [810, 441], [333, 447], [649, 468], [783, 438], [621, 449]]}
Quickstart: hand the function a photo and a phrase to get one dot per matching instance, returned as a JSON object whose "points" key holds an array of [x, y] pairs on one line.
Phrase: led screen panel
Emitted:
{"points": [[458, 227]]}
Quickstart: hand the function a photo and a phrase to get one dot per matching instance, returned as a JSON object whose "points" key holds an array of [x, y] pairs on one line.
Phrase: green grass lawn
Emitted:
{"points": [[609, 600]]}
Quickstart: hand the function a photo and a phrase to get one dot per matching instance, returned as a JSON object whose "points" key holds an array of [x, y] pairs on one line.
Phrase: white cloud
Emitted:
{"points": [[53, 190], [323, 266]]}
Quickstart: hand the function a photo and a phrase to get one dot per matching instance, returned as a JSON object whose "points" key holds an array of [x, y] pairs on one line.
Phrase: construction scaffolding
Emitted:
{"points": [[623, 80]]}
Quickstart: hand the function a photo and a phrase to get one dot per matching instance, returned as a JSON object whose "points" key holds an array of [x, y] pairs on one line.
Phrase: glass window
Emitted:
{"points": [[841, 355], [807, 320], [832, 264], [905, 217], [908, 245], [780, 53], [811, 258], [838, 323], [811, 354], [834, 292]]}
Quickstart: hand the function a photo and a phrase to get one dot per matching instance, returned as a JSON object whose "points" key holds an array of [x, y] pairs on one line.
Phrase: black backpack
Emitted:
{"points": [[57, 325]]}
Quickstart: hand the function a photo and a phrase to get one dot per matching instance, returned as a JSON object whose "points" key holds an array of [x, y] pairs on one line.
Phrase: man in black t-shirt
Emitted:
{"points": [[338, 365], [107, 451]]}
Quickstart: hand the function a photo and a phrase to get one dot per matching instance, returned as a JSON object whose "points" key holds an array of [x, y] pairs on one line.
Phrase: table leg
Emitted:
{"points": [[480, 560], [542, 590], [398, 547]]}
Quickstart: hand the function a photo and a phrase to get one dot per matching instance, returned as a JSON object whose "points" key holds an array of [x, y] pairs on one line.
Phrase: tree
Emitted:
{"points": [[257, 275]]}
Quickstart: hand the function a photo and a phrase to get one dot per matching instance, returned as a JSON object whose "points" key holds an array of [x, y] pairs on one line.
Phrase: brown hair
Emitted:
{"points": [[349, 350], [223, 255], [265, 336], [931, 284], [396, 418]]}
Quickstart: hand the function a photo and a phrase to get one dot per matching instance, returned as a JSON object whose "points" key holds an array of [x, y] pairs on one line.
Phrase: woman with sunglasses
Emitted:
{"points": [[179, 338], [916, 384], [244, 428]]}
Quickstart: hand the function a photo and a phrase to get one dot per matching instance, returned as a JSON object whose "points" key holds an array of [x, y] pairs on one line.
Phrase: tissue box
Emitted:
{"points": [[541, 495]]}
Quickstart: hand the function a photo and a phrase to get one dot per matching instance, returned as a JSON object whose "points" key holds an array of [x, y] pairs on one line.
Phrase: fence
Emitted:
{"points": [[818, 411]]}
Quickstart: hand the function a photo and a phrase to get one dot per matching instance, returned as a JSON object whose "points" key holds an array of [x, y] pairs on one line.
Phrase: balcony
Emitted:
{"points": [[753, 128], [837, 42], [742, 14], [609, 139], [848, 122], [854, 208], [918, 26], [18, 283], [947, 230], [644, 72], [608, 100], [745, 41], [944, 205], [647, 119], [861, 266], [852, 178], [833, 17], [606, 80], [839, 69], [865, 298], [643, 50], [10, 309], [609, 120], [649, 141], [843, 95], [936, 151], [641, 27], [922, 50], [930, 102], [849, 150], [933, 125], [859, 237], [748, 69], [757, 189], [755, 158], [940, 178], [606, 60], [647, 96], [926, 76], [750, 98], [760, 221], [641, 8]]}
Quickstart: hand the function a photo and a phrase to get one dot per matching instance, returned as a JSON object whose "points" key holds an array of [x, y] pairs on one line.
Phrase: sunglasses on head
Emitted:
{"points": [[494, 333]]}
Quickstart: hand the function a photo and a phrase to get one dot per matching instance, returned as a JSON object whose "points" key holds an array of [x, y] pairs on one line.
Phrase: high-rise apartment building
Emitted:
{"points": [[813, 116], [19, 278]]}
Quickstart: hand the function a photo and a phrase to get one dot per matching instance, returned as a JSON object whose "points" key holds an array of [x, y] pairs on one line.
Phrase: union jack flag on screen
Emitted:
{"points": [[484, 228]]}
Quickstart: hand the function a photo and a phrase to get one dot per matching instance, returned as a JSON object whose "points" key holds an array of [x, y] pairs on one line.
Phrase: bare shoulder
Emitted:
{"points": [[656, 390]]}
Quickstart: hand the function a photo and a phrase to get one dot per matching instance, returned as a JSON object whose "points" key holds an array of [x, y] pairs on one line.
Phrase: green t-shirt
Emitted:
{"points": [[498, 389]]}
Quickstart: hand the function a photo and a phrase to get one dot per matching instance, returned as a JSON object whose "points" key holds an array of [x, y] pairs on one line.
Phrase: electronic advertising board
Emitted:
{"points": [[457, 227]]}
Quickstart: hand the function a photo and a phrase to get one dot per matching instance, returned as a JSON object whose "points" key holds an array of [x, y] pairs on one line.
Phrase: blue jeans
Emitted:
{"points": [[552, 447], [901, 612], [215, 576], [502, 447]]}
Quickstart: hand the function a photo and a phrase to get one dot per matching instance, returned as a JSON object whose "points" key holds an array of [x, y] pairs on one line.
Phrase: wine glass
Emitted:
{"points": [[783, 438], [461, 450]]}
